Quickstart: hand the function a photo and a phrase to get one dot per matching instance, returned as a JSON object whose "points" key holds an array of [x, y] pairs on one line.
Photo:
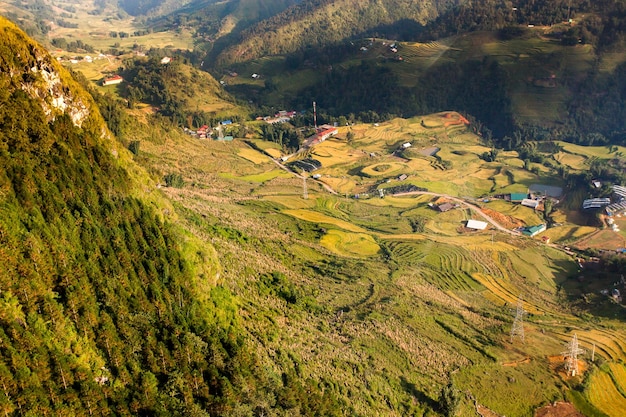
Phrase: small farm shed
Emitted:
{"points": [[534, 230], [476, 225], [533, 204], [445, 207], [116, 79]]}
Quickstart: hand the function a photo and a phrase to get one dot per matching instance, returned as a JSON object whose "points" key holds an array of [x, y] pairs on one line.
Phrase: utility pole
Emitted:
{"points": [[571, 356], [593, 353], [518, 324]]}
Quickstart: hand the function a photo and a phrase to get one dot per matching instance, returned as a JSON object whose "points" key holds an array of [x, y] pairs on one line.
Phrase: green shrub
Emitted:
{"points": [[174, 180]]}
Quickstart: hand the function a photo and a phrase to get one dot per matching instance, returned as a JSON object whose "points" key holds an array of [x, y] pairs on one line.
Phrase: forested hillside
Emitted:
{"points": [[594, 22], [185, 94], [100, 310], [314, 23]]}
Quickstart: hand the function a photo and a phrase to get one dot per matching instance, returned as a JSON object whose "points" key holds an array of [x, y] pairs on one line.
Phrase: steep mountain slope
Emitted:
{"points": [[100, 311], [323, 22]]}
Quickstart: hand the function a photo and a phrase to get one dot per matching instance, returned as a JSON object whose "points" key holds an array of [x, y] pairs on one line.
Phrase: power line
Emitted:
{"points": [[571, 356], [518, 324]]}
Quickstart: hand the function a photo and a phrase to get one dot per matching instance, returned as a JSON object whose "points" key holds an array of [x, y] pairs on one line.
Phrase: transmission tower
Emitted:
{"points": [[571, 364], [305, 194], [518, 323]]}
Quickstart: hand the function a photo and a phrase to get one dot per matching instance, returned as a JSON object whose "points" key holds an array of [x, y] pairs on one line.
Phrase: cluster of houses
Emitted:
{"points": [[323, 132], [535, 196], [77, 59], [615, 205], [205, 132], [282, 116]]}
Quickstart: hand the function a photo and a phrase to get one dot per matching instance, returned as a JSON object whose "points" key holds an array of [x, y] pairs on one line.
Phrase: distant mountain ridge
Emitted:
{"points": [[314, 23]]}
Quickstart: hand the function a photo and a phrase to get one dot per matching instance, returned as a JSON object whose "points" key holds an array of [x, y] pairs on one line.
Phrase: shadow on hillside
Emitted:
{"points": [[421, 397], [597, 290], [402, 30]]}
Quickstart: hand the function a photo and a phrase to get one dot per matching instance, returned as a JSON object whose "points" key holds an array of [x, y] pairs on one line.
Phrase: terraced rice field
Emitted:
{"points": [[333, 154], [350, 244], [253, 156], [605, 396], [525, 214], [291, 201], [568, 233], [418, 57], [382, 169], [609, 344], [601, 152], [618, 373], [266, 176], [571, 160], [315, 217]]}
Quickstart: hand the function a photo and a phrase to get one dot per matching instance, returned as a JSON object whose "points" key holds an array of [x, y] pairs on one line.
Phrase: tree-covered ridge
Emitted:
{"points": [[322, 22], [594, 22], [185, 94], [100, 313]]}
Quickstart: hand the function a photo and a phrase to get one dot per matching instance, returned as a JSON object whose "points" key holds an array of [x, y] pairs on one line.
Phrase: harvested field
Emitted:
{"points": [[601, 239]]}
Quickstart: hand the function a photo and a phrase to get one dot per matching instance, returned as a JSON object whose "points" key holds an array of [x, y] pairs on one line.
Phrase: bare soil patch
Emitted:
{"points": [[504, 220], [558, 409]]}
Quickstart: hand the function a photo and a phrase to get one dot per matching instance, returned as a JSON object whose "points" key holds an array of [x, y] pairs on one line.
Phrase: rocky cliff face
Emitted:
{"points": [[30, 68]]}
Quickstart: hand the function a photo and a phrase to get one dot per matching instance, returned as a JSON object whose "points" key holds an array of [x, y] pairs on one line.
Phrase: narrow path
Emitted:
{"points": [[471, 206]]}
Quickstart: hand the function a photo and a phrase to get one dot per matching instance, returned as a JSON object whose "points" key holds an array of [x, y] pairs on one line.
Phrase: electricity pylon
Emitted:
{"points": [[570, 355], [305, 193], [518, 323]]}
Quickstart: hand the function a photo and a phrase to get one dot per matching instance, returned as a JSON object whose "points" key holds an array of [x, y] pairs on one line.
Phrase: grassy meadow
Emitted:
{"points": [[393, 299]]}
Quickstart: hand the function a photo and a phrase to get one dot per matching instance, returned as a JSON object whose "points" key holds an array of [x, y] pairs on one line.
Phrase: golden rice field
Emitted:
{"points": [[274, 153], [342, 185], [618, 372], [589, 151], [421, 167], [384, 169], [291, 201], [525, 214], [350, 244], [399, 201], [571, 160], [315, 217], [604, 395], [568, 233], [252, 155], [611, 344], [502, 291], [266, 176], [332, 153]]}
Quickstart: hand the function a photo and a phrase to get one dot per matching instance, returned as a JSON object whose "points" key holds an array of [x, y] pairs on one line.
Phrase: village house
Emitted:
{"points": [[116, 79]]}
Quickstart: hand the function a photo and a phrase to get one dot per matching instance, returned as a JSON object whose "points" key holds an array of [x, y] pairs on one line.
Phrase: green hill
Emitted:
{"points": [[106, 307], [315, 23], [188, 95]]}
